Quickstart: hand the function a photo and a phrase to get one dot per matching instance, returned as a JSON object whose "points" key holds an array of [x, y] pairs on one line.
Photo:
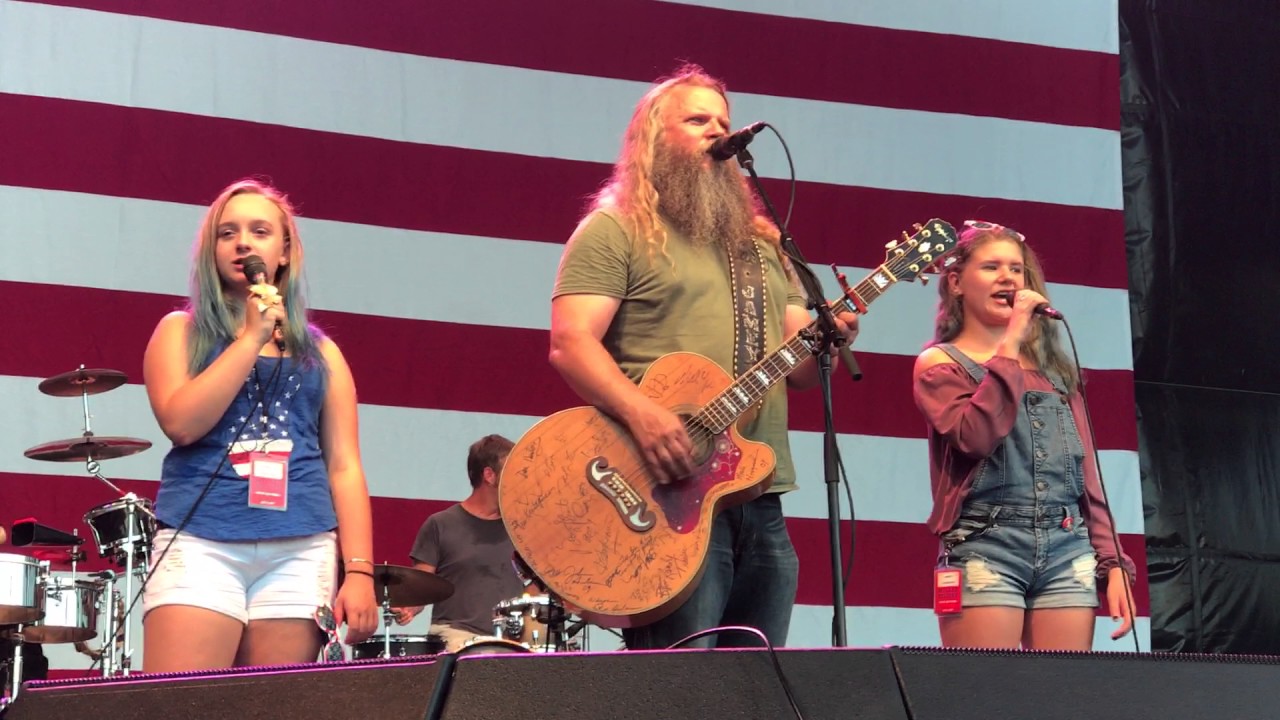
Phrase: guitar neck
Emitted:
{"points": [[751, 387]]}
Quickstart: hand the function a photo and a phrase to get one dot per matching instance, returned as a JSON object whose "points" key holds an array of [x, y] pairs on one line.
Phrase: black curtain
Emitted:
{"points": [[1200, 128]]}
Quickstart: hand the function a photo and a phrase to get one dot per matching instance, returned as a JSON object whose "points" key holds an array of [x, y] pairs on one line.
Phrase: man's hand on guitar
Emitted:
{"points": [[847, 325], [663, 441]]}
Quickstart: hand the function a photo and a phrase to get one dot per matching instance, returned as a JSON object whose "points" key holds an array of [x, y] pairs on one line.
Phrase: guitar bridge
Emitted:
{"points": [[632, 508]]}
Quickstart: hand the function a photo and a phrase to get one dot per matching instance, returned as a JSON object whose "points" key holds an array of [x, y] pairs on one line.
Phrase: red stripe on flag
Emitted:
{"points": [[891, 566], [438, 364], [129, 152], [781, 56]]}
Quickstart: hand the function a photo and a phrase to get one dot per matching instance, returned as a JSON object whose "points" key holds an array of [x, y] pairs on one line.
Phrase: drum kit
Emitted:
{"points": [[530, 623], [537, 621], [37, 606]]}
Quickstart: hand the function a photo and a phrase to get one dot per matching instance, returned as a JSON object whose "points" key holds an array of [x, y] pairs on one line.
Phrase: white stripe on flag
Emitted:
{"points": [[144, 246], [180, 67], [889, 476]]}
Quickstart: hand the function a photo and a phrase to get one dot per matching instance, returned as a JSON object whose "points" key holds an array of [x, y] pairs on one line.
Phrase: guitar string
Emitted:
{"points": [[704, 434], [771, 362], [701, 425]]}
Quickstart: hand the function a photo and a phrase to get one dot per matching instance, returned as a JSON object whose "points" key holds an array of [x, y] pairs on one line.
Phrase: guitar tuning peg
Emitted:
{"points": [[917, 226], [924, 279], [891, 245]]}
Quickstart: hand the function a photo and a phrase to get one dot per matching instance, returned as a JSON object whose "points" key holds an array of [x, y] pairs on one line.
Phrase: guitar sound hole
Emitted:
{"points": [[704, 443]]}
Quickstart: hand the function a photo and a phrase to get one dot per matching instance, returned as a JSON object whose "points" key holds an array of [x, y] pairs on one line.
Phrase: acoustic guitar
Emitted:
{"points": [[585, 513]]}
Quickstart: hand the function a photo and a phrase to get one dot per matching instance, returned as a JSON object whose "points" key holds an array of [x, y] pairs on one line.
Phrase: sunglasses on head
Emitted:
{"points": [[994, 227]]}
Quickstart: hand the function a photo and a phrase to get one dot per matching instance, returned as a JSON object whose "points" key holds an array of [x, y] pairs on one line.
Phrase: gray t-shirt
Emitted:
{"points": [[474, 555]]}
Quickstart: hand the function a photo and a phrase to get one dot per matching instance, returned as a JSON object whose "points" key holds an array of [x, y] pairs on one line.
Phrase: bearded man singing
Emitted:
{"points": [[674, 256]]}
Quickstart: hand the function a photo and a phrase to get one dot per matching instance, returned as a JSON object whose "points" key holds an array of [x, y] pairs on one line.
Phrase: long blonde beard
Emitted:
{"points": [[707, 204]]}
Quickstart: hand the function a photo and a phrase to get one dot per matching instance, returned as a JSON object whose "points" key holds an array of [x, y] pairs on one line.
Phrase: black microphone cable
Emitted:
{"points": [[1106, 501], [204, 492]]}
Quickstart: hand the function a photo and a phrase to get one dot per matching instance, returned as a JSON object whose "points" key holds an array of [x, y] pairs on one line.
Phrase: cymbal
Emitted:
{"points": [[82, 448], [408, 586], [82, 382], [17, 614]]}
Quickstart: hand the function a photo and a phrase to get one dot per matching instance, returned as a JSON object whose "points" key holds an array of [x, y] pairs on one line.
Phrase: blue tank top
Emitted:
{"points": [[280, 402]]}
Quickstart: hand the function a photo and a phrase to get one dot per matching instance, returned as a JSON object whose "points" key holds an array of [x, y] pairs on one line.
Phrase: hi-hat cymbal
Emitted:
{"points": [[83, 448], [82, 382], [408, 586]]}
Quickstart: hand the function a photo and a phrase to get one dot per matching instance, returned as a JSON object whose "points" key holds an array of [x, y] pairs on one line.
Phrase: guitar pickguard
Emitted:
{"points": [[631, 507], [681, 501]]}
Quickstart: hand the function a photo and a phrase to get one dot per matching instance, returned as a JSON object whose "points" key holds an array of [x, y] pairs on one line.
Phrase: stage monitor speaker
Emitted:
{"points": [[679, 685], [676, 685], [381, 691], [983, 684]]}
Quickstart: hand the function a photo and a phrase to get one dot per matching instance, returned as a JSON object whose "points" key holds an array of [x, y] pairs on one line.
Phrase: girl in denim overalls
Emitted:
{"points": [[1017, 499]]}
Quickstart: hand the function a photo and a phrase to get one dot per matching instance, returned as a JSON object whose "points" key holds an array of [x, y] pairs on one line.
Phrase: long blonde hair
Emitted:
{"points": [[629, 189], [1042, 342], [215, 319]]}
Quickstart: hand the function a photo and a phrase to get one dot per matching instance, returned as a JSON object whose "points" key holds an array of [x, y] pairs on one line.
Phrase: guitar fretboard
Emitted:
{"points": [[904, 261], [752, 386]]}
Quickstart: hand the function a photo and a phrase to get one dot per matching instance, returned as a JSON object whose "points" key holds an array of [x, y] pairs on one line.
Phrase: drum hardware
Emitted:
{"points": [[15, 670], [87, 447], [401, 646], [534, 621], [537, 619], [112, 642], [399, 586], [21, 589], [21, 602], [70, 604], [123, 528]]}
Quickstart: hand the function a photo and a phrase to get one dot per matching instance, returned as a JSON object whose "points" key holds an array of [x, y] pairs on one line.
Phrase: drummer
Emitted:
{"points": [[468, 545]]}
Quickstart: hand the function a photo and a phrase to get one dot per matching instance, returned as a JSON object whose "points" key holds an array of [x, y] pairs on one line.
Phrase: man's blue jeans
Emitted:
{"points": [[750, 579]]}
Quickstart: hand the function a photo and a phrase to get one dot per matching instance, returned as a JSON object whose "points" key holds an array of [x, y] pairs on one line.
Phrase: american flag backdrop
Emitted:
{"points": [[440, 154]]}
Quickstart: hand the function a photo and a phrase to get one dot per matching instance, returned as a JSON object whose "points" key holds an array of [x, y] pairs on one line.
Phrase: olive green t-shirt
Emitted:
{"points": [[680, 301]]}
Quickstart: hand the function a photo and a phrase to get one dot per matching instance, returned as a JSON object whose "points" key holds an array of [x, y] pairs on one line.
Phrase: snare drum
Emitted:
{"points": [[401, 646], [21, 589], [113, 526], [535, 621], [70, 611]]}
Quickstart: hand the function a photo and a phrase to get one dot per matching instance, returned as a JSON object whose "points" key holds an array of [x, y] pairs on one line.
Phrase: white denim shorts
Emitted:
{"points": [[253, 580]]}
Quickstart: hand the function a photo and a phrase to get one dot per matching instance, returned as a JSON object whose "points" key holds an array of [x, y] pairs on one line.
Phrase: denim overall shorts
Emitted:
{"points": [[1020, 540]]}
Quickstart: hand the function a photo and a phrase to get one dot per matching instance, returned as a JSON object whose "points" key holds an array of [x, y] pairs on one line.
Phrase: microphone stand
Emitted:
{"points": [[829, 337]]}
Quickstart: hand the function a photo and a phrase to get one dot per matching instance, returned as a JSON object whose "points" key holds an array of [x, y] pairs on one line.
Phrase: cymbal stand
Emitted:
{"points": [[15, 670], [128, 549], [557, 621], [110, 600], [387, 618], [92, 467]]}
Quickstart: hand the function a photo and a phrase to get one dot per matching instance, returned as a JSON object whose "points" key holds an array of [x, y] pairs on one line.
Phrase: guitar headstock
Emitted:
{"points": [[925, 251]]}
